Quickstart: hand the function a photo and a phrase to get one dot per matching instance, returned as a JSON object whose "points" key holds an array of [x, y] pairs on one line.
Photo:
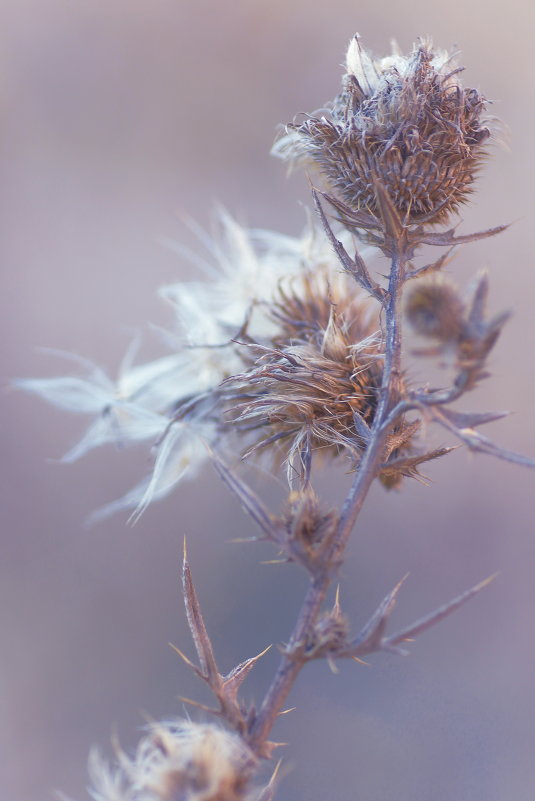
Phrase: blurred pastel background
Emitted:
{"points": [[119, 119]]}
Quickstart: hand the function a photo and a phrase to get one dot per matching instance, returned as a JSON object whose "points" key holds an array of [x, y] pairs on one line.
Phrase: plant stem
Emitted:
{"points": [[293, 660]]}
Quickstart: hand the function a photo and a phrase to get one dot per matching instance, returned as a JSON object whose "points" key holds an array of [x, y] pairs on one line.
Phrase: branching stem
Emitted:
{"points": [[294, 658]]}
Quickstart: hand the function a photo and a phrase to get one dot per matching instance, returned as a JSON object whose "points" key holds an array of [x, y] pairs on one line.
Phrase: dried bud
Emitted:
{"points": [[305, 520], [404, 120], [309, 528], [479, 334], [329, 635], [435, 310], [182, 760]]}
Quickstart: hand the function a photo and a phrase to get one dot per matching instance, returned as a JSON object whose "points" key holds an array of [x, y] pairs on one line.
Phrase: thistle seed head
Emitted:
{"points": [[182, 760], [320, 371], [406, 121]]}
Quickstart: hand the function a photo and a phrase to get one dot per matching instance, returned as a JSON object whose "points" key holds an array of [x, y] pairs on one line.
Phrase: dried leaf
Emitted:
{"points": [[233, 680], [433, 267], [248, 499], [448, 237], [408, 466], [478, 307], [370, 636], [401, 437], [361, 427], [471, 419], [359, 219], [481, 444], [203, 646], [356, 266], [435, 617]]}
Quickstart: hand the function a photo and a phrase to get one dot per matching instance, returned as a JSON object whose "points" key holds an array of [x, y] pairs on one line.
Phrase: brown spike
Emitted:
{"points": [[198, 705], [268, 792], [187, 661]]}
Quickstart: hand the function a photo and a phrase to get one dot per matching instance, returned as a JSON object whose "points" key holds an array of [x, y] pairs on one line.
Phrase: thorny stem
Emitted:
{"points": [[293, 659]]}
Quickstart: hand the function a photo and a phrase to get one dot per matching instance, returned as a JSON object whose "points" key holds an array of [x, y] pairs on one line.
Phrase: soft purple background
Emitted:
{"points": [[118, 119]]}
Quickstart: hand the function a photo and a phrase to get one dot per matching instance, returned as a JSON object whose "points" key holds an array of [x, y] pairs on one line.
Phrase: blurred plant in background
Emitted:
{"points": [[291, 353]]}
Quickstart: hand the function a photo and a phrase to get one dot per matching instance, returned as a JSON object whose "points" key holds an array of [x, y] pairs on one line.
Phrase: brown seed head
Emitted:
{"points": [[403, 120], [182, 760], [321, 370], [434, 309]]}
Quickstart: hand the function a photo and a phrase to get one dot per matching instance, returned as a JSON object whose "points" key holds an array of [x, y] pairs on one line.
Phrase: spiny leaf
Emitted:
{"points": [[481, 444], [359, 219], [449, 238], [356, 266], [372, 632], [435, 617], [203, 646], [233, 680], [433, 267], [471, 419], [249, 500], [478, 306], [408, 466]]}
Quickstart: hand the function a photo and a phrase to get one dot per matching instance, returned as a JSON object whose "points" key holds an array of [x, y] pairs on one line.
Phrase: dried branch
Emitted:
{"points": [[372, 637], [224, 687]]}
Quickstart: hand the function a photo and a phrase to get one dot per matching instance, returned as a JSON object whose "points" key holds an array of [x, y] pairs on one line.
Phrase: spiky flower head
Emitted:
{"points": [[405, 121], [319, 377], [178, 760]]}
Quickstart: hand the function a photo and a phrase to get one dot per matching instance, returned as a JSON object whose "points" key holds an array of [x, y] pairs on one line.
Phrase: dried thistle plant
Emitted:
{"points": [[295, 353]]}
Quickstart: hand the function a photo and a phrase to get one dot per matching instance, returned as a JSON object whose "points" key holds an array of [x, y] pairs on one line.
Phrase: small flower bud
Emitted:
{"points": [[305, 520], [435, 310], [331, 633]]}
